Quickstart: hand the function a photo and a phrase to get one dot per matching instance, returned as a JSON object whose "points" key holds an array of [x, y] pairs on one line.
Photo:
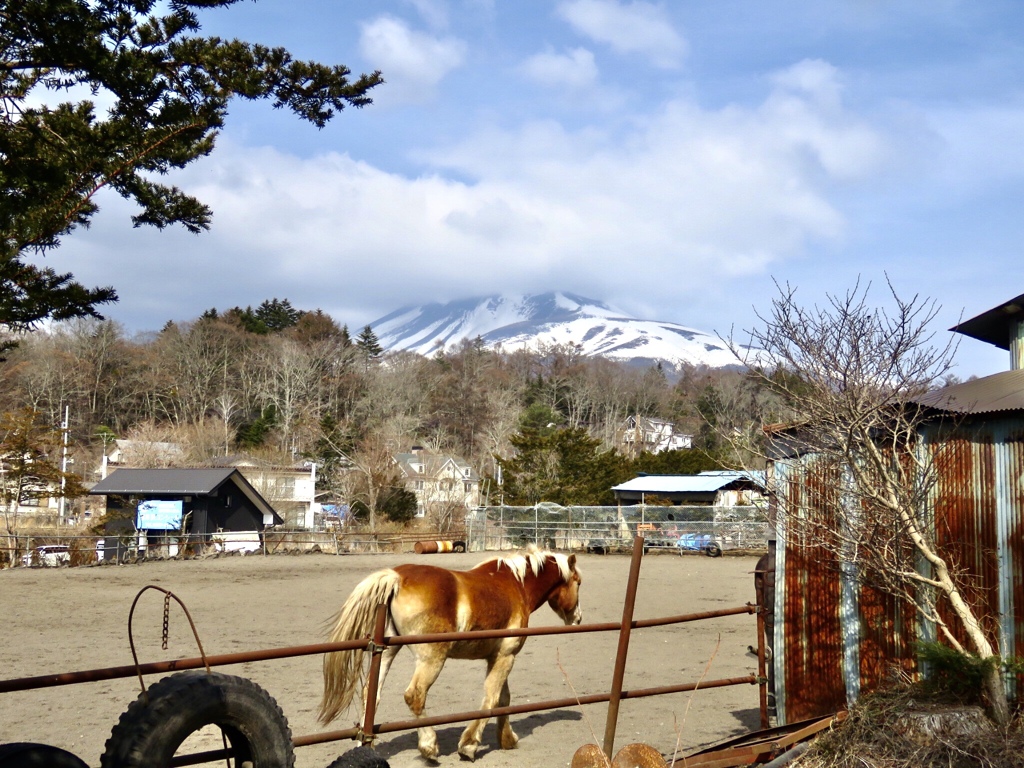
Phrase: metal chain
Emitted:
{"points": [[167, 621]]}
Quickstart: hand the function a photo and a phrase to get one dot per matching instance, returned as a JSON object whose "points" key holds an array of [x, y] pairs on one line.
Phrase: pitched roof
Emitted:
{"points": [[706, 482], [994, 324], [433, 464], [170, 481], [999, 392], [179, 482]]}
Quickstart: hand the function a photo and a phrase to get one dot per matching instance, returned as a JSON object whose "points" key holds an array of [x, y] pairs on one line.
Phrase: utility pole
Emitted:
{"points": [[62, 501]]}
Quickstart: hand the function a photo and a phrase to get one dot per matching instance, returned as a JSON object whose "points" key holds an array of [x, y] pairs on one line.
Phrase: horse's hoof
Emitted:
{"points": [[467, 751], [508, 740], [430, 752]]}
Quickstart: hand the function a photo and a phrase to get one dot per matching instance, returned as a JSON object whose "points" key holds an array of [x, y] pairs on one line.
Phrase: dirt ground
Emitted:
{"points": [[70, 619]]}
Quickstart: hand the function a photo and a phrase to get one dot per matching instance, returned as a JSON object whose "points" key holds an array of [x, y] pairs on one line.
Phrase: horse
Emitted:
{"points": [[498, 593]]}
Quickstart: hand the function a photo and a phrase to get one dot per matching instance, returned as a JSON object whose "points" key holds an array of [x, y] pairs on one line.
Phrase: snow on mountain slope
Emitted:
{"points": [[532, 322]]}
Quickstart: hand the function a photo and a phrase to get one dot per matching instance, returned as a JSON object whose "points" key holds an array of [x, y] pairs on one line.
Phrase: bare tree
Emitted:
{"points": [[29, 468], [853, 377], [373, 472]]}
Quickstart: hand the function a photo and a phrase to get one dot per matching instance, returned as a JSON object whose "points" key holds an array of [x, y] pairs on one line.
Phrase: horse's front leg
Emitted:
{"points": [[495, 686], [430, 660]]}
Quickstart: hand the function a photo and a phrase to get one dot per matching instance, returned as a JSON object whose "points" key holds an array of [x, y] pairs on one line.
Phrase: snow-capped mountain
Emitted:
{"points": [[533, 322]]}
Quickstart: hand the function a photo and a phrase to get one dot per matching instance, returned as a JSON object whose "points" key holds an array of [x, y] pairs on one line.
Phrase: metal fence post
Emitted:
{"points": [[376, 648], [620, 656]]}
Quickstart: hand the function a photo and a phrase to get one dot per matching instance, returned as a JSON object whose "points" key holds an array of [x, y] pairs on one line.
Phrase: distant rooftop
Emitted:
{"points": [[706, 482]]}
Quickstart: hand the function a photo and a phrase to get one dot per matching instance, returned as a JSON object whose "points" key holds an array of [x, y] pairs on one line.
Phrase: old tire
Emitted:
{"points": [[26, 755], [360, 757], [713, 550], [150, 732]]}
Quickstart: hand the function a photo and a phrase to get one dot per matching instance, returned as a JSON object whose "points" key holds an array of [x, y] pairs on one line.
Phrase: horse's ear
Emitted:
{"points": [[572, 562]]}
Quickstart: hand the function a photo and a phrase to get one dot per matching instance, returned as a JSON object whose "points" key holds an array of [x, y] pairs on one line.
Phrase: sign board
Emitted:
{"points": [[160, 515]]}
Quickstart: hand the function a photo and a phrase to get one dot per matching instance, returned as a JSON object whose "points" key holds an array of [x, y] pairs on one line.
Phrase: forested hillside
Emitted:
{"points": [[288, 384]]}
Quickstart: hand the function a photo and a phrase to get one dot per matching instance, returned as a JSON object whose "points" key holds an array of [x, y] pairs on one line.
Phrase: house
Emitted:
{"points": [[712, 488], [290, 488], [835, 638], [643, 433], [140, 454], [161, 509], [445, 486]]}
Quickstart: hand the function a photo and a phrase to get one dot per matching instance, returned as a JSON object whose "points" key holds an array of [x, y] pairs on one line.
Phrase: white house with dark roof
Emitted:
{"points": [[439, 481], [644, 433]]}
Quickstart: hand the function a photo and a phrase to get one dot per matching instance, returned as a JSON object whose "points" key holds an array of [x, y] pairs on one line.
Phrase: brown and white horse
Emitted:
{"points": [[498, 593]]}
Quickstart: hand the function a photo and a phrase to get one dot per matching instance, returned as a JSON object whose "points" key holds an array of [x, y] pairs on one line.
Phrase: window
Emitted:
{"points": [[468, 487]]}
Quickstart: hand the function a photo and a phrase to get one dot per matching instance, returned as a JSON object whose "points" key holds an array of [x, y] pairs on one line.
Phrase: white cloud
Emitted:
{"points": [[575, 69], [688, 198], [412, 62], [434, 12], [636, 27]]}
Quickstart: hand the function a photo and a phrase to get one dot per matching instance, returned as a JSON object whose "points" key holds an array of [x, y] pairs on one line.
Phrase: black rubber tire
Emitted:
{"points": [[360, 757], [150, 732], [27, 755], [713, 550]]}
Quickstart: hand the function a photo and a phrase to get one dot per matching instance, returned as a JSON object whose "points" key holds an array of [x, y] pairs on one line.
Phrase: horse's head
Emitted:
{"points": [[565, 597]]}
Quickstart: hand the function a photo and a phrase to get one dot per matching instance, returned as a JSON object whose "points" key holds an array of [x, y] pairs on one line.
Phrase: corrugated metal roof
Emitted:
{"points": [[169, 481], [705, 482], [999, 392]]}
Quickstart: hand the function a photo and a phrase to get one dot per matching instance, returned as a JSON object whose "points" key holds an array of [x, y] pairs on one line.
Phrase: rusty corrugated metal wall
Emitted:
{"points": [[834, 639], [979, 514]]}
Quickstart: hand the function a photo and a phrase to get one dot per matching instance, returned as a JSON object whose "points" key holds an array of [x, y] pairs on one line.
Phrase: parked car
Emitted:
{"points": [[48, 556], [700, 542]]}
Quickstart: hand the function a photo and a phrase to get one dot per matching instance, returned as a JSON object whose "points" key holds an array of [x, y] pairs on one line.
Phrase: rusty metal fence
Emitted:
{"points": [[369, 729]]}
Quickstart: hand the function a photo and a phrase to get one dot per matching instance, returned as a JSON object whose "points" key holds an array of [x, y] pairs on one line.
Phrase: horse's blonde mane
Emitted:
{"points": [[533, 559]]}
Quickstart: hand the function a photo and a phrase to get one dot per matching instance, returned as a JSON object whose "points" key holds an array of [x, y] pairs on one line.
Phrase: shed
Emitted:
{"points": [[708, 488], [834, 639], [165, 503]]}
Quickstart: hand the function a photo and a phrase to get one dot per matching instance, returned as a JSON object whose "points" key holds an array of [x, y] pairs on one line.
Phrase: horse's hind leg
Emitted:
{"points": [[495, 686], [386, 657], [429, 663]]}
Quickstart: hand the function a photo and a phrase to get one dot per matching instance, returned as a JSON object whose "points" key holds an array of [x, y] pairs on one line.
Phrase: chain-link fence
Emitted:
{"points": [[604, 529]]}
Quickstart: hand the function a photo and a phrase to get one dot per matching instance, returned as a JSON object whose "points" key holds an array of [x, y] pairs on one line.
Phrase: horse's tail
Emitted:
{"points": [[343, 670]]}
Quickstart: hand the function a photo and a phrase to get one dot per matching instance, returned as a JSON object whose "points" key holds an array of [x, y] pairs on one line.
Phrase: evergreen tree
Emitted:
{"points": [[277, 314], [368, 343], [398, 505], [564, 466], [169, 91]]}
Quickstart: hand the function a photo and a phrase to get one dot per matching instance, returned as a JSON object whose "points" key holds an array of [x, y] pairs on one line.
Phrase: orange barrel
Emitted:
{"points": [[430, 547]]}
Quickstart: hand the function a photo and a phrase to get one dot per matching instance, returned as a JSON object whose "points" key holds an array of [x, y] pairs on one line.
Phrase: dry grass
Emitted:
{"points": [[875, 735]]}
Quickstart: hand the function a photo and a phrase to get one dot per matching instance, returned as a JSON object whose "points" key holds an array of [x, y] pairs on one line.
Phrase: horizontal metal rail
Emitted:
{"points": [[379, 640], [178, 665], [461, 717]]}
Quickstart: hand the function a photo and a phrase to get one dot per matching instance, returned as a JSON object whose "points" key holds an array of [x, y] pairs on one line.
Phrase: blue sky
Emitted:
{"points": [[671, 159]]}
